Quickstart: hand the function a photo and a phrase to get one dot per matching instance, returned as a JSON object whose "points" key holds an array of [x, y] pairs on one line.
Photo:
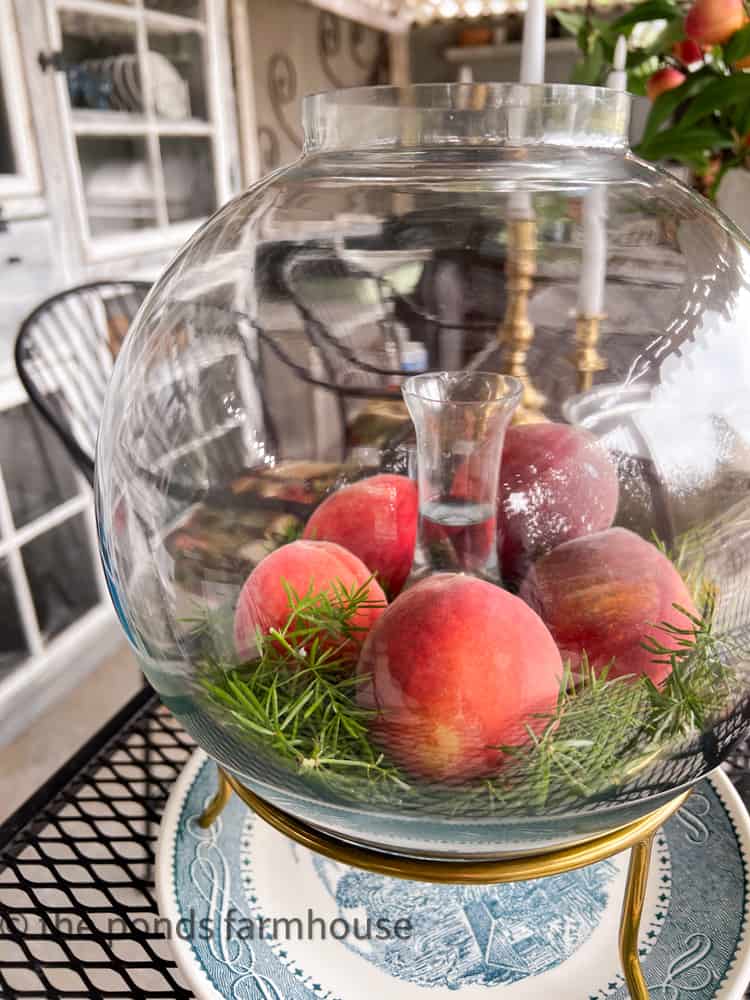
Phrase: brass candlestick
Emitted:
{"points": [[517, 332], [586, 358]]}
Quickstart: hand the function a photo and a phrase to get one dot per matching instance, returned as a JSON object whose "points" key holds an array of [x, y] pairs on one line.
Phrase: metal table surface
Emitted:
{"points": [[78, 913]]}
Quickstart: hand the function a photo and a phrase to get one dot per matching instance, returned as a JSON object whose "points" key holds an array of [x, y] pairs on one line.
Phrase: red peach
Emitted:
{"points": [[662, 80], [604, 595], [713, 22], [304, 566], [456, 666], [556, 483], [376, 519], [688, 51]]}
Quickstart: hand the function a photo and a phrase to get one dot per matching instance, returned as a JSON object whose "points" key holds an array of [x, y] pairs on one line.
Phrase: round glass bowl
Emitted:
{"points": [[555, 510]]}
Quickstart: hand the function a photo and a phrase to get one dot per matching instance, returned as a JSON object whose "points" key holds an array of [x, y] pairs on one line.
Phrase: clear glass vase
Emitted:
{"points": [[256, 509], [460, 421]]}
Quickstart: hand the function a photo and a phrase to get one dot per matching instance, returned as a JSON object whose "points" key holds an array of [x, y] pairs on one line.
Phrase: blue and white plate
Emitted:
{"points": [[252, 914]]}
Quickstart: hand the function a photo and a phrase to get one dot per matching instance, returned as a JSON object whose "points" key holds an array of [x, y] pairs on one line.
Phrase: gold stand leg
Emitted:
{"points": [[217, 803], [630, 920]]}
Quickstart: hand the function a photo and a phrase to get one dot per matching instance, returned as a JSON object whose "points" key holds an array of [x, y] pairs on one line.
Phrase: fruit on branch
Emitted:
{"points": [[454, 668], [713, 22], [307, 568], [663, 80], [688, 51], [376, 519], [556, 483], [604, 595]]}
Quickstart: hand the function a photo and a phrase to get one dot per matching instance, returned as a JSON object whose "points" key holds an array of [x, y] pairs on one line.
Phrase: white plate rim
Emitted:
{"points": [[732, 987]]}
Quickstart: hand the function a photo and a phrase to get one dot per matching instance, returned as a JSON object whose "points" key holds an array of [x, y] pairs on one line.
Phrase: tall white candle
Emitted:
{"points": [[594, 253], [534, 38], [532, 71], [618, 78]]}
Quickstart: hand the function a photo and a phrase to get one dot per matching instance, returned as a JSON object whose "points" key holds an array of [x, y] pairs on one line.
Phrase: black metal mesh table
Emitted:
{"points": [[78, 914]]}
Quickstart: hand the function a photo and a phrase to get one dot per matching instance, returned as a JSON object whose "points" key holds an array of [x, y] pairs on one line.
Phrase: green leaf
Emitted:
{"points": [[688, 144], [742, 120], [667, 103], [589, 69], [637, 83], [738, 45], [720, 95], [649, 10], [572, 23]]}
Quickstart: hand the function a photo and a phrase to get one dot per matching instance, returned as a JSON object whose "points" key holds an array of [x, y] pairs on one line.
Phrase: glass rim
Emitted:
{"points": [[514, 386], [428, 95], [466, 114]]}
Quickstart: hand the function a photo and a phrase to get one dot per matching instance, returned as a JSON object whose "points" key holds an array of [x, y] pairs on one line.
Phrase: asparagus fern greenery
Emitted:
{"points": [[297, 699]]}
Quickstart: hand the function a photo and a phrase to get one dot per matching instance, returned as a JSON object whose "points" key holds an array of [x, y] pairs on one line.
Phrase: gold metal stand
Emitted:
{"points": [[638, 836], [217, 803], [517, 333], [587, 359]]}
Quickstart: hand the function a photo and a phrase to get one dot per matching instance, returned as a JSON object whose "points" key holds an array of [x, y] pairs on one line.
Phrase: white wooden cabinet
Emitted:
{"points": [[135, 98], [117, 138], [85, 193]]}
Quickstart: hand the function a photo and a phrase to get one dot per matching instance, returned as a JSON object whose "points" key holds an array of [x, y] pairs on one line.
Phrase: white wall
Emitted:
{"points": [[298, 50]]}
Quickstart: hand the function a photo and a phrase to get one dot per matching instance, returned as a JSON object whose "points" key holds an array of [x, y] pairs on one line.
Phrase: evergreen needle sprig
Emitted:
{"points": [[298, 696], [701, 681]]}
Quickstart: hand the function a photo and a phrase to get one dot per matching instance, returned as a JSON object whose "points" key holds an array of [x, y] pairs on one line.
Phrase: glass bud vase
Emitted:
{"points": [[460, 420]]}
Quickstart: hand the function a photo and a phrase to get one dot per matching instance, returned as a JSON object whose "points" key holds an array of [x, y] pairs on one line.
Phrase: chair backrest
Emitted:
{"points": [[64, 354]]}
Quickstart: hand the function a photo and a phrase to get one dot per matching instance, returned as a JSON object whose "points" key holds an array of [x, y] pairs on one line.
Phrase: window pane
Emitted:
{"points": [[60, 568], [186, 8], [118, 184], [103, 67], [177, 75], [188, 177], [13, 648], [37, 470], [95, 36]]}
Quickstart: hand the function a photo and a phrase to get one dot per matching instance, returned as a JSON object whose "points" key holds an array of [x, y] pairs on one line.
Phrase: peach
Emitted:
{"points": [[455, 667], [304, 566], [713, 22], [687, 51], [556, 483], [376, 519], [662, 80], [604, 595]]}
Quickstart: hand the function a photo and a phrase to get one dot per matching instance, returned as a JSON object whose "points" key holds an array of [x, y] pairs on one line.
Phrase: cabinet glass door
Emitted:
{"points": [[143, 106]]}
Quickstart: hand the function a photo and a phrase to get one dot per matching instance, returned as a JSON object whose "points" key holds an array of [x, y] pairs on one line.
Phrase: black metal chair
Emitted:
{"points": [[64, 354]]}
